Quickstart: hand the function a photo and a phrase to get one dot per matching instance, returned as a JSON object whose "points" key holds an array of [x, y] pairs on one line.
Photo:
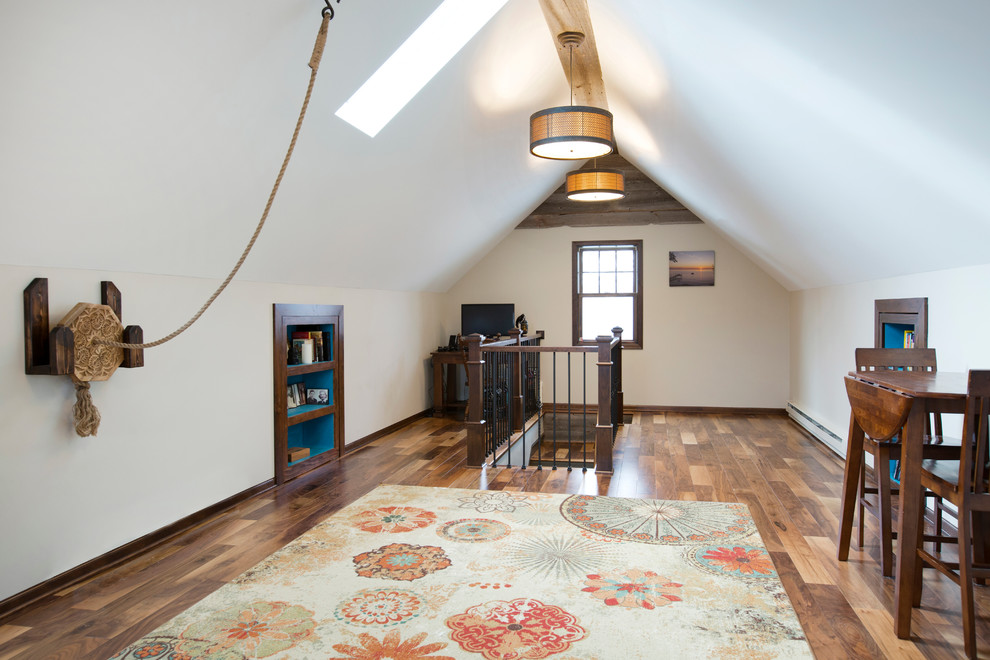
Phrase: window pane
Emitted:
{"points": [[600, 315], [608, 283], [589, 283], [624, 283], [589, 260], [607, 260], [624, 260]]}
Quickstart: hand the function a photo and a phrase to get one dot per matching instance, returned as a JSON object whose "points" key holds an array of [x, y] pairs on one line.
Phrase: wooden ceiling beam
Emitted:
{"points": [[560, 205], [645, 203], [586, 81], [613, 219]]}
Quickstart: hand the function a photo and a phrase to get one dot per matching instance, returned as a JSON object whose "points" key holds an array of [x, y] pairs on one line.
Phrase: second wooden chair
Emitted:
{"points": [[965, 483]]}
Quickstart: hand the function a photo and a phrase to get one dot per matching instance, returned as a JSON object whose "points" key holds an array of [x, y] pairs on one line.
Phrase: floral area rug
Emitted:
{"points": [[413, 573]]}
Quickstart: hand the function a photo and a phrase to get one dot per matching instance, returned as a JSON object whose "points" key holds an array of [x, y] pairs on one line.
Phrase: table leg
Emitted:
{"points": [[437, 389], [452, 382], [909, 519], [850, 485]]}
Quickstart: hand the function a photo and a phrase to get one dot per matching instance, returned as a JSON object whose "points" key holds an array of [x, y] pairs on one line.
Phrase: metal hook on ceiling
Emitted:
{"points": [[328, 8]]}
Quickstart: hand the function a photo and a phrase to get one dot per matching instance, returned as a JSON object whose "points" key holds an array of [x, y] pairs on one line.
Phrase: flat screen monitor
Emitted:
{"points": [[488, 319]]}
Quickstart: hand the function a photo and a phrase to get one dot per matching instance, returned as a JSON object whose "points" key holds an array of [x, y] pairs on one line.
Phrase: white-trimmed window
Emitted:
{"points": [[608, 291]]}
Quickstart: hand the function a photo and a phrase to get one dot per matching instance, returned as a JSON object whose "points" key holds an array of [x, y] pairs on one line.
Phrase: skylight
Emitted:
{"points": [[416, 61]]}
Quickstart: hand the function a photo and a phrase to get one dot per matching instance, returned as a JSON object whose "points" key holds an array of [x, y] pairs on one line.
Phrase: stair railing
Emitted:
{"points": [[506, 407]]}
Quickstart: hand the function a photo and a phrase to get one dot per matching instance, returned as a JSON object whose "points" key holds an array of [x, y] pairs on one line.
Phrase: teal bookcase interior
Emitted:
{"points": [[316, 435], [318, 380], [893, 334]]}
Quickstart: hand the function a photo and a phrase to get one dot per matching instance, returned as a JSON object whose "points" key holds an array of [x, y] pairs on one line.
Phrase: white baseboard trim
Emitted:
{"points": [[817, 429]]}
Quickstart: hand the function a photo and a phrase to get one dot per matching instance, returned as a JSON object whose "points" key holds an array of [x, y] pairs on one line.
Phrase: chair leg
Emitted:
{"points": [[938, 523], [861, 509], [966, 582], [981, 551], [919, 563], [882, 471]]}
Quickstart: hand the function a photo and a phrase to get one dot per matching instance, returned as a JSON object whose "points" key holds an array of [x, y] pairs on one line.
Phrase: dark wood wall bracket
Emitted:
{"points": [[52, 351]]}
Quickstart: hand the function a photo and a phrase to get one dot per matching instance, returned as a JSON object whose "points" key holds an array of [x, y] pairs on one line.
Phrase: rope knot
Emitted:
{"points": [[84, 413]]}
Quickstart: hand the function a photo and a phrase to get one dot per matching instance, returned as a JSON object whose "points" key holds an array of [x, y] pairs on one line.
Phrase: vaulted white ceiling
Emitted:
{"points": [[832, 142]]}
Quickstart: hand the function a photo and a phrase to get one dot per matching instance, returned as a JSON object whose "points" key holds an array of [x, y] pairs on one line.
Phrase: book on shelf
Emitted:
{"points": [[320, 344], [295, 352], [317, 338], [305, 350], [321, 349], [327, 345], [297, 394], [909, 339]]}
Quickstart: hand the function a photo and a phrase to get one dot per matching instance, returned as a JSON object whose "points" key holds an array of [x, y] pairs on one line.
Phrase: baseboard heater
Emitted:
{"points": [[817, 429]]}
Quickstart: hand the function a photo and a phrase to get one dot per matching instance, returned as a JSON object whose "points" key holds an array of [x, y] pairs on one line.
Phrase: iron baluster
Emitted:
{"points": [[570, 425], [584, 413], [553, 460], [523, 369], [539, 417]]}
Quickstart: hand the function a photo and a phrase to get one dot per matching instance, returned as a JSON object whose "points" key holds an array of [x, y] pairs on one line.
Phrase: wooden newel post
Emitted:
{"points": [[517, 392], [603, 430], [617, 374], [475, 424]]}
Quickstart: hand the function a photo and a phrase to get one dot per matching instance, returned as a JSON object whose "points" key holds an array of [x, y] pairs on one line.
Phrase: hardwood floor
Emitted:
{"points": [[790, 482]]}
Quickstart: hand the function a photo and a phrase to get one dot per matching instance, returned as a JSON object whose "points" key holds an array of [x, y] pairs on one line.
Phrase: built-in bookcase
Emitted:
{"points": [[900, 323], [316, 428]]}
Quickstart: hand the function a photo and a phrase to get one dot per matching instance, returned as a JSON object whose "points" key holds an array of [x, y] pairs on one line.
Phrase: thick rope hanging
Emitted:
{"points": [[314, 64]]}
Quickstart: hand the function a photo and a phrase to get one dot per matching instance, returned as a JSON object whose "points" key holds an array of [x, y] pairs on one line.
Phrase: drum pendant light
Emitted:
{"points": [[596, 185], [572, 132]]}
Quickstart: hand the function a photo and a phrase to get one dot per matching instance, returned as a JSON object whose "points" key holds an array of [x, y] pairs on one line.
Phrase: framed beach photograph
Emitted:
{"points": [[692, 268], [317, 396]]}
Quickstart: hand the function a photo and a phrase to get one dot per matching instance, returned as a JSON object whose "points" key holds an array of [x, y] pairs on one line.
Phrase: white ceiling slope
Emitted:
{"points": [[832, 142]]}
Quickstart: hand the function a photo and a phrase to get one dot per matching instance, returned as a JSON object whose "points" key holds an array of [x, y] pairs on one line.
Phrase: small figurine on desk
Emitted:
{"points": [[522, 324], [454, 344]]}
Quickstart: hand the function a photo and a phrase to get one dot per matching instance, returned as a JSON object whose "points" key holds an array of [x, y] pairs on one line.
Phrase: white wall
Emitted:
{"points": [[725, 345], [192, 427], [828, 324]]}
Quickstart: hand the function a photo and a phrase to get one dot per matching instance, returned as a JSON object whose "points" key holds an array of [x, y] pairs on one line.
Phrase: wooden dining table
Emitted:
{"points": [[933, 391]]}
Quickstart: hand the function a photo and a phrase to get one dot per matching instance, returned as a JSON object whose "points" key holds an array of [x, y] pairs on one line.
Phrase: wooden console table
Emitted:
{"points": [[441, 394], [445, 396]]}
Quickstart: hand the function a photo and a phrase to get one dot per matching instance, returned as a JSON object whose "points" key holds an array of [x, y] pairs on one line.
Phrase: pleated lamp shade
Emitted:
{"points": [[596, 185], [571, 132]]}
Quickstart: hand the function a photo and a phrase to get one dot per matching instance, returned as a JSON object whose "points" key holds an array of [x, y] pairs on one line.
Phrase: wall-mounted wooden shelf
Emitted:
{"points": [[306, 413]]}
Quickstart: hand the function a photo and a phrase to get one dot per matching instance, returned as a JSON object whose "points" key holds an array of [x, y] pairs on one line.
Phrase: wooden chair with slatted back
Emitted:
{"points": [[965, 483], [886, 449], [907, 359]]}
